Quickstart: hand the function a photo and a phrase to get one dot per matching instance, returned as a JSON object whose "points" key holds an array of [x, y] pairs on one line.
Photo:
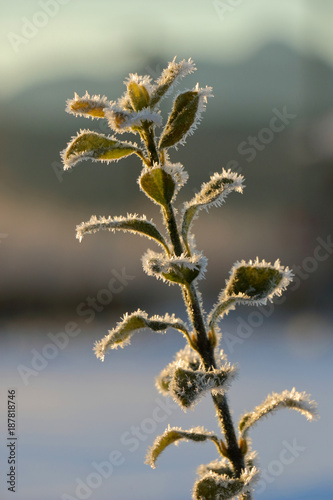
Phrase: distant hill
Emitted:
{"points": [[245, 92]]}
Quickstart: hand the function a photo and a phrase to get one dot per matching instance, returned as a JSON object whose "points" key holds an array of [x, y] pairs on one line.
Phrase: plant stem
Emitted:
{"points": [[171, 224], [204, 347], [223, 413], [148, 136], [206, 350]]}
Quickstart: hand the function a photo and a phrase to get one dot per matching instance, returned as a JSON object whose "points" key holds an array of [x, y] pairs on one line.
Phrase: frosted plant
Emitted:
{"points": [[201, 367]]}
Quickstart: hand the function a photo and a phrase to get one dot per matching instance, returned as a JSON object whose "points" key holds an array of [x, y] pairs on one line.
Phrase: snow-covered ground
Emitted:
{"points": [[83, 426]]}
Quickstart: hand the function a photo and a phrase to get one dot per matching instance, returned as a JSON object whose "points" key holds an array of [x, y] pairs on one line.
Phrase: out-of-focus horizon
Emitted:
{"points": [[265, 61]]}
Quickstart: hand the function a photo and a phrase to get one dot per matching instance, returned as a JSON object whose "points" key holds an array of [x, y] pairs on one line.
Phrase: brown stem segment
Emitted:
{"points": [[148, 137], [171, 224], [206, 352], [223, 413]]}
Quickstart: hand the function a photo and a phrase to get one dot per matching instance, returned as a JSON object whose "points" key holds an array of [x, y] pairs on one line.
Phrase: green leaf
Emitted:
{"points": [[182, 270], [299, 401], [214, 486], [189, 358], [251, 283], [158, 185], [97, 147], [138, 320], [91, 107], [212, 193], [181, 119], [187, 386], [138, 95], [131, 223], [174, 435], [220, 467], [169, 77]]}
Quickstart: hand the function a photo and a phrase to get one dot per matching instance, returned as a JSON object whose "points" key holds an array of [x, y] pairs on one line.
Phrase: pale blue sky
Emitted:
{"points": [[83, 37]]}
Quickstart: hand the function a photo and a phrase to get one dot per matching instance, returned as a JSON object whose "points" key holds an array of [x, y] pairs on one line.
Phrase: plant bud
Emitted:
{"points": [[138, 95]]}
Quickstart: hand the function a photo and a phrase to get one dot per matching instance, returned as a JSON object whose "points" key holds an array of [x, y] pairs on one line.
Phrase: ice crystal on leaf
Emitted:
{"points": [[87, 145], [131, 223], [187, 386], [187, 358], [124, 121], [299, 401], [139, 89], [251, 283], [212, 193], [138, 320], [215, 486], [91, 107], [169, 78], [174, 435], [171, 270], [185, 116]]}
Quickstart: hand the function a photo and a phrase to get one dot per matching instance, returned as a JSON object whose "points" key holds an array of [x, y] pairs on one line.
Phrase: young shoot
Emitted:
{"points": [[201, 368]]}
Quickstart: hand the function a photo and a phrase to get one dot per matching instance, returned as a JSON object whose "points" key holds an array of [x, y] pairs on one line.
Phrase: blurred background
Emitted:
{"points": [[271, 68]]}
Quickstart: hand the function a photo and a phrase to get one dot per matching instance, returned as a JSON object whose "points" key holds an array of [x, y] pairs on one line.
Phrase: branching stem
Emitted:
{"points": [[206, 351], [203, 345]]}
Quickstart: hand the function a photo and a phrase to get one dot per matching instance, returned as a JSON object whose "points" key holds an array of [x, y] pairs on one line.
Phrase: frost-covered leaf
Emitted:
{"points": [[121, 120], [212, 193], [162, 182], [169, 78], [138, 93], [91, 107], [89, 145], [251, 283], [182, 270], [220, 467], [185, 116], [214, 486], [188, 386], [299, 401], [189, 359], [138, 320], [174, 435], [131, 223], [179, 175], [158, 184]]}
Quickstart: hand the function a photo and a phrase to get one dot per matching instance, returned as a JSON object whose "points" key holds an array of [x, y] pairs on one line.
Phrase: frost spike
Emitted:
{"points": [[173, 435], [131, 223], [138, 320], [299, 401], [214, 486], [89, 145], [212, 193]]}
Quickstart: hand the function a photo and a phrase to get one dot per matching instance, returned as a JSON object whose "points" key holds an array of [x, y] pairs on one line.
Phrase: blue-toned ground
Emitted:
{"points": [[83, 426]]}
